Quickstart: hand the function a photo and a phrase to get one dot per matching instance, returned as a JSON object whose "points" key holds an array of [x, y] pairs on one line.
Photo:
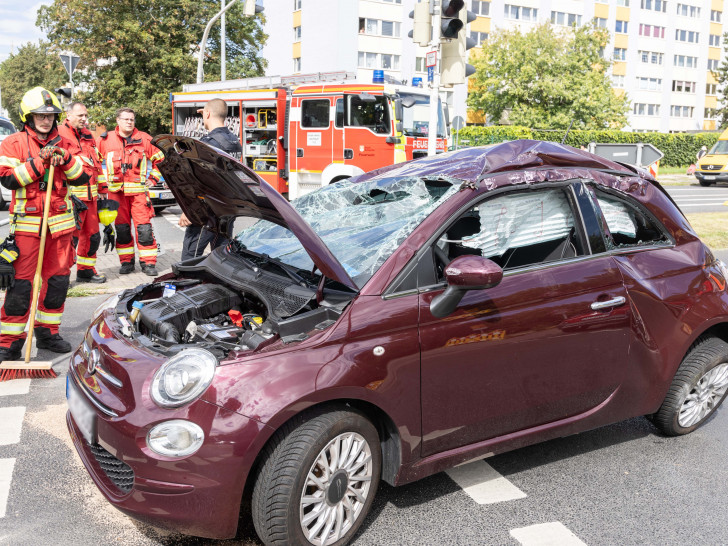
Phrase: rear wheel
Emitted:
{"points": [[698, 388], [318, 479]]}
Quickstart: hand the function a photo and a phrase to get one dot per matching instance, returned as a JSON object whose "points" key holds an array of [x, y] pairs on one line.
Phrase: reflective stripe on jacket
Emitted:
{"points": [[127, 160]]}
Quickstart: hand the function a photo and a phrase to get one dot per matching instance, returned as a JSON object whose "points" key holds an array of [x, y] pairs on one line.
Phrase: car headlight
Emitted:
{"points": [[108, 303], [183, 378], [175, 438]]}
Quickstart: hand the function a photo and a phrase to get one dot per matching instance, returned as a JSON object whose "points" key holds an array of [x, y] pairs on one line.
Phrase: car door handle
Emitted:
{"points": [[615, 302]]}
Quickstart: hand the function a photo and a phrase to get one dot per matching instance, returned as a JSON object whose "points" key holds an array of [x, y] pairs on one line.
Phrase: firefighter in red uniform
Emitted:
{"points": [[25, 159], [87, 238], [127, 152]]}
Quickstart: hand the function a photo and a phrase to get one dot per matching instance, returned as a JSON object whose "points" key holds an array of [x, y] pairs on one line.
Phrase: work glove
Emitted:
{"points": [[78, 207], [61, 156], [8, 253], [46, 154], [109, 238]]}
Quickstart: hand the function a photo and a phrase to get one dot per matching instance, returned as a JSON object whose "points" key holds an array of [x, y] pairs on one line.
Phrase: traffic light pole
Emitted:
{"points": [[435, 84]]}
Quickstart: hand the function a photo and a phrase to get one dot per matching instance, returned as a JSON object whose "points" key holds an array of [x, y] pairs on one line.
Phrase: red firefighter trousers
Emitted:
{"points": [[88, 237], [55, 274], [134, 207]]}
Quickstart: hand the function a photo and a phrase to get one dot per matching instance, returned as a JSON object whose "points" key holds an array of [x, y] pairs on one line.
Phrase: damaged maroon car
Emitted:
{"points": [[389, 327]]}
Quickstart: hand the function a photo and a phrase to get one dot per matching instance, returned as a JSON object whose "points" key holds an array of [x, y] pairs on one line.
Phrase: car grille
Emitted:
{"points": [[120, 473], [712, 167]]}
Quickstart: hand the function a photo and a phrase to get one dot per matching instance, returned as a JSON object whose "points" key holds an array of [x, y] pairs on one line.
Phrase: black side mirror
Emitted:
{"points": [[465, 273]]}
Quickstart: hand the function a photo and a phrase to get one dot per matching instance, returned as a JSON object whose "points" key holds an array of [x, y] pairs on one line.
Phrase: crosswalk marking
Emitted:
{"points": [[6, 474], [16, 386], [484, 484], [172, 219], [546, 534], [11, 423]]}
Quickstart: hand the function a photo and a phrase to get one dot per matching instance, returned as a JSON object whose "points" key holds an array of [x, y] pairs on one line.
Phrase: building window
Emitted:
{"points": [[681, 111], [297, 34], [389, 61], [715, 16], [375, 61], [618, 82], [711, 89], [641, 109], [620, 54], [565, 19], [689, 36], [649, 84], [714, 40], [479, 38], [654, 5], [376, 27], [296, 64], [600, 22], [685, 60], [711, 113], [712, 63], [624, 3], [620, 27], [420, 64], [481, 8], [686, 10], [520, 13], [680, 86], [651, 57], [652, 31], [296, 5]]}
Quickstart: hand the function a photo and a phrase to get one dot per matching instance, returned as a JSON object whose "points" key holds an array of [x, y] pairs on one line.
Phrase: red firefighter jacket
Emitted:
{"points": [[84, 146], [127, 160], [22, 171]]}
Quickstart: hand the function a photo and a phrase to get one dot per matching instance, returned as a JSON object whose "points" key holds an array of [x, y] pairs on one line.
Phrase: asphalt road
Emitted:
{"points": [[695, 198]]}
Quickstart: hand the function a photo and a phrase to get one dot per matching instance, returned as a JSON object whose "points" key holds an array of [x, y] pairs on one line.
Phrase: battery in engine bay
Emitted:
{"points": [[228, 334]]}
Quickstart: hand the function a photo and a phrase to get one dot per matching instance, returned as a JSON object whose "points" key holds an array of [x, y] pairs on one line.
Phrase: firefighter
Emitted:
{"points": [[127, 152], [25, 160], [87, 238]]}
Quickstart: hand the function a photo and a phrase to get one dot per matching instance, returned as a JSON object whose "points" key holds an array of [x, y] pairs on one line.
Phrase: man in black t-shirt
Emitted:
{"points": [[218, 136]]}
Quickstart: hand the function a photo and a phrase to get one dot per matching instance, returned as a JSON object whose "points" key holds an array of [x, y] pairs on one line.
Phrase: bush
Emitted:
{"points": [[679, 148]]}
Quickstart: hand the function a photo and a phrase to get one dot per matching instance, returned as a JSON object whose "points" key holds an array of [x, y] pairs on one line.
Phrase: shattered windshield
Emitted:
{"points": [[362, 224]]}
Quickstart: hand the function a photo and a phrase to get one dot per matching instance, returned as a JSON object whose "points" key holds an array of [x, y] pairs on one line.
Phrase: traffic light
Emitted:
{"points": [[64, 91], [422, 25], [251, 8], [454, 52], [451, 24]]}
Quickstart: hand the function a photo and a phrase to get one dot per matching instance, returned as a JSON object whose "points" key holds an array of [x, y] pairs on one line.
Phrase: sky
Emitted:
{"points": [[17, 24]]}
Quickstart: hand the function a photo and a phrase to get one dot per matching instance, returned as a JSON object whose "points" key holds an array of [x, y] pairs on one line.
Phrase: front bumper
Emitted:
{"points": [[196, 495], [712, 176]]}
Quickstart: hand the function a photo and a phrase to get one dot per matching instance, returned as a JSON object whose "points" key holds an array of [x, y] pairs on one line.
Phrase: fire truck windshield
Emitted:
{"points": [[416, 118]]}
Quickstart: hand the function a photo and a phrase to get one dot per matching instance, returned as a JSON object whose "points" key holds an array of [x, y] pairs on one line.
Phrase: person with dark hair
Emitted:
{"points": [[127, 152], [87, 238], [25, 164], [219, 136]]}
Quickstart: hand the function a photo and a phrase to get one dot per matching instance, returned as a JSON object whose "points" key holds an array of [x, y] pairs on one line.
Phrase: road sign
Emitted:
{"points": [[70, 62], [430, 73], [431, 58], [639, 154], [458, 123]]}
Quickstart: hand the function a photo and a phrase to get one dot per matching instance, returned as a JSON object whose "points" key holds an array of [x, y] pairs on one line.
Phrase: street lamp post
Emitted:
{"points": [[206, 34]]}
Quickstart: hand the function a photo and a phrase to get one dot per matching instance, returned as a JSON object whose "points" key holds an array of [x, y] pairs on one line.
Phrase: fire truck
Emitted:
{"points": [[306, 131]]}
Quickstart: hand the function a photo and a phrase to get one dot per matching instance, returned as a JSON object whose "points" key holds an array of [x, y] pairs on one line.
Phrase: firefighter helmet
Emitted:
{"points": [[39, 101], [108, 209]]}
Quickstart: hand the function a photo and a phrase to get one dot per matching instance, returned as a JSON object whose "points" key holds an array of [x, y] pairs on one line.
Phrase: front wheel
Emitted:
{"points": [[318, 479], [705, 183], [698, 388]]}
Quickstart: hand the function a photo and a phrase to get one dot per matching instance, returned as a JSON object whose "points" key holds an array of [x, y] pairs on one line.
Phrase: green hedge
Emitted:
{"points": [[679, 148]]}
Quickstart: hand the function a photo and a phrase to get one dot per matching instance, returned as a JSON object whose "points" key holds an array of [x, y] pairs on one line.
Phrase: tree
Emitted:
{"points": [[31, 66], [547, 78], [136, 53]]}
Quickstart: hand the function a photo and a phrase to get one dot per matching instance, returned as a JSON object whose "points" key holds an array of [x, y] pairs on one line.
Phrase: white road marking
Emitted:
{"points": [[11, 423], [484, 484], [6, 474], [546, 534], [16, 386], [172, 219]]}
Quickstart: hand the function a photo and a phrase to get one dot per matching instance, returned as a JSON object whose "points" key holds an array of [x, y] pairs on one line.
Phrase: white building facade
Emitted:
{"points": [[663, 51]]}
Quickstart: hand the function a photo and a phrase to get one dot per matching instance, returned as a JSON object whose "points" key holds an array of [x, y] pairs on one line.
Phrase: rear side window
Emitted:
{"points": [[627, 224], [315, 113]]}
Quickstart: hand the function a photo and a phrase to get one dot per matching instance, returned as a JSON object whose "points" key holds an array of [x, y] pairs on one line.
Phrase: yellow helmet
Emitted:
{"points": [[39, 101], [108, 209]]}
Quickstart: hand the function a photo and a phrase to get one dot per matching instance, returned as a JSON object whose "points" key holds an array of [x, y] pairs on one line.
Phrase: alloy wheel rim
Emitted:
{"points": [[704, 397], [345, 464]]}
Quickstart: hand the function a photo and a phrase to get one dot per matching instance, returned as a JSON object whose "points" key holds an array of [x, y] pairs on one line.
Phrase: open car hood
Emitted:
{"points": [[213, 188]]}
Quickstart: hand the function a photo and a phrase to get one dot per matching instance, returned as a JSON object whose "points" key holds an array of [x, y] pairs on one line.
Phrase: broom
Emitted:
{"points": [[18, 369]]}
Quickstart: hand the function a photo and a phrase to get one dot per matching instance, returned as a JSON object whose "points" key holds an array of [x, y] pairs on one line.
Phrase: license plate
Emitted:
{"points": [[709, 177], [165, 195], [81, 411]]}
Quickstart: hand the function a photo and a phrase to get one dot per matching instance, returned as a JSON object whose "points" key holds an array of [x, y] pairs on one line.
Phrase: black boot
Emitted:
{"points": [[53, 342], [14, 352], [126, 268], [88, 275], [149, 269]]}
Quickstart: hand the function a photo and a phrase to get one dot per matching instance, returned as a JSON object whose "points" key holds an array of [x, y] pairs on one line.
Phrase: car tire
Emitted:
{"points": [[705, 183], [298, 460], [697, 390], [159, 209]]}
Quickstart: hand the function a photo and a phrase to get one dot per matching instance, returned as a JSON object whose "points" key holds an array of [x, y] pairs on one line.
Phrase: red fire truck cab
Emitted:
{"points": [[306, 131]]}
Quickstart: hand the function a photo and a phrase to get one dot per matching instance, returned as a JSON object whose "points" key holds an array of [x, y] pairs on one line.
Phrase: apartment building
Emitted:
{"points": [[664, 51]]}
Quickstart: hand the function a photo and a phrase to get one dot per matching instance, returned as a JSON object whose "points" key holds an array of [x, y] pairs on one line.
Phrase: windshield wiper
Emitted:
{"points": [[291, 274], [239, 247]]}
